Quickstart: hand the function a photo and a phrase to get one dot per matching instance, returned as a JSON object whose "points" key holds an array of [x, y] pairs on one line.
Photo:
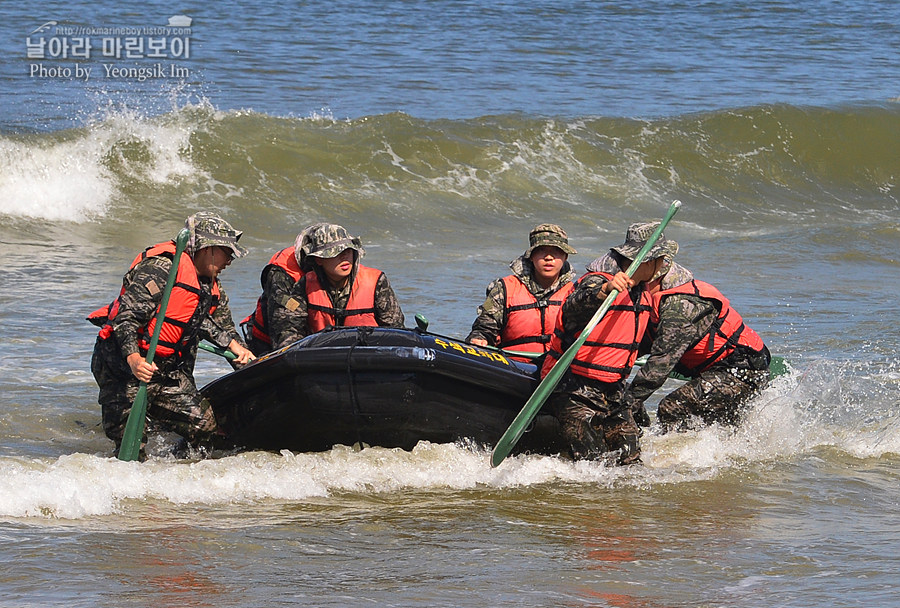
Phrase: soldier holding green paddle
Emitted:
{"points": [[589, 401], [196, 308]]}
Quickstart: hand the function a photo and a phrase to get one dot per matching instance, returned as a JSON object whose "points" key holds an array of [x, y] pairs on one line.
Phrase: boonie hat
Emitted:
{"points": [[327, 241], [209, 230], [548, 235], [673, 273], [636, 238]]}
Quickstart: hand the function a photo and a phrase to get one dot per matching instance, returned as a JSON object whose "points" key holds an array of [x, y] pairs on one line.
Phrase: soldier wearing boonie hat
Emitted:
{"points": [[589, 402], [520, 309], [119, 360], [698, 334], [318, 283]]}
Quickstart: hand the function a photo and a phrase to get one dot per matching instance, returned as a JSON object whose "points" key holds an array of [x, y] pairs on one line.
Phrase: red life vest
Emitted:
{"points": [[360, 310], [530, 322], [259, 319], [611, 349], [183, 315], [726, 332]]}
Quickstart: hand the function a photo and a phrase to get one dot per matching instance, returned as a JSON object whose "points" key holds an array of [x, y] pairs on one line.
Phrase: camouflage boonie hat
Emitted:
{"points": [[636, 238], [548, 235], [672, 272], [209, 230], [327, 241]]}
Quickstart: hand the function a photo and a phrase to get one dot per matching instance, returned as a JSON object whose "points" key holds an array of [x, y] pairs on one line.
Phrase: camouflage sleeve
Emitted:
{"points": [[489, 322], [219, 328], [287, 319], [278, 290], [683, 320], [144, 286], [387, 308], [582, 303]]}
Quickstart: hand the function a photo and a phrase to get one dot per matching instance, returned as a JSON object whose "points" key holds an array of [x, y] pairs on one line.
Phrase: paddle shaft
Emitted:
{"points": [[130, 449], [512, 435], [222, 352], [778, 367]]}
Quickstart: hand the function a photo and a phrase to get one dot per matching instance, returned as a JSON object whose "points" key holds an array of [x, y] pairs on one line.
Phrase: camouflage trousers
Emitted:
{"points": [[718, 395], [594, 420], [173, 402]]}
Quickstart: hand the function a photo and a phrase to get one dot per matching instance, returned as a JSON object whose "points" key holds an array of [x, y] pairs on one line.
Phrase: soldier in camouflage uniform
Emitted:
{"points": [[546, 274], [118, 363], [593, 414], [722, 379], [267, 325], [330, 258]]}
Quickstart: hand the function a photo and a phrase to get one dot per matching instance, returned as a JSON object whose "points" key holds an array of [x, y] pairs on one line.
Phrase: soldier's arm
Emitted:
{"points": [[288, 318], [278, 289], [387, 308], [582, 303], [491, 315], [219, 328], [676, 332]]}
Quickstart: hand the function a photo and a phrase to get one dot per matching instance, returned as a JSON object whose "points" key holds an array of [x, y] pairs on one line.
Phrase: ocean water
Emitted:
{"points": [[441, 132]]}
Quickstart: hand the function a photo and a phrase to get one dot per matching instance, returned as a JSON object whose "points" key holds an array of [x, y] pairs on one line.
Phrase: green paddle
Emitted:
{"points": [[222, 352], [512, 435], [778, 367], [134, 427]]}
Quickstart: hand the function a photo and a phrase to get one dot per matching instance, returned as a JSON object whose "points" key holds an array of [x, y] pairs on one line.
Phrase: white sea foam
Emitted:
{"points": [[77, 175], [779, 426], [65, 180]]}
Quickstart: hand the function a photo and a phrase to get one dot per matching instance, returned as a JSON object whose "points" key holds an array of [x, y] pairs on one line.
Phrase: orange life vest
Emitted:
{"points": [[726, 332], [529, 321], [611, 349], [258, 321], [183, 315], [360, 310]]}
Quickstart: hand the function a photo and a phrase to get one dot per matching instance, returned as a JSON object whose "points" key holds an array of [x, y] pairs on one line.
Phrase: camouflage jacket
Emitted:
{"points": [[138, 306], [287, 316], [491, 317], [683, 320], [277, 290]]}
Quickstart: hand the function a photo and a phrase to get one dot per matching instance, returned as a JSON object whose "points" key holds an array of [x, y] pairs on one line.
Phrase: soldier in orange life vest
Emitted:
{"points": [[197, 309], [698, 334], [520, 309], [335, 289], [266, 325], [589, 402]]}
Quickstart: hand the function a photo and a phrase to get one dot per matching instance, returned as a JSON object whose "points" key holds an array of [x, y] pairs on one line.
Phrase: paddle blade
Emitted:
{"points": [[517, 428], [134, 428], [778, 367]]}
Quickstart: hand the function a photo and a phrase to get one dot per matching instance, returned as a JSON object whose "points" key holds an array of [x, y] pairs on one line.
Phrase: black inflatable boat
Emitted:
{"points": [[378, 387]]}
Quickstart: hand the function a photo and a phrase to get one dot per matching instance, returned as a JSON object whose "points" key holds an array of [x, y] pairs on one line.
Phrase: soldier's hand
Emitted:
{"points": [[478, 342], [142, 370], [244, 355], [620, 282]]}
